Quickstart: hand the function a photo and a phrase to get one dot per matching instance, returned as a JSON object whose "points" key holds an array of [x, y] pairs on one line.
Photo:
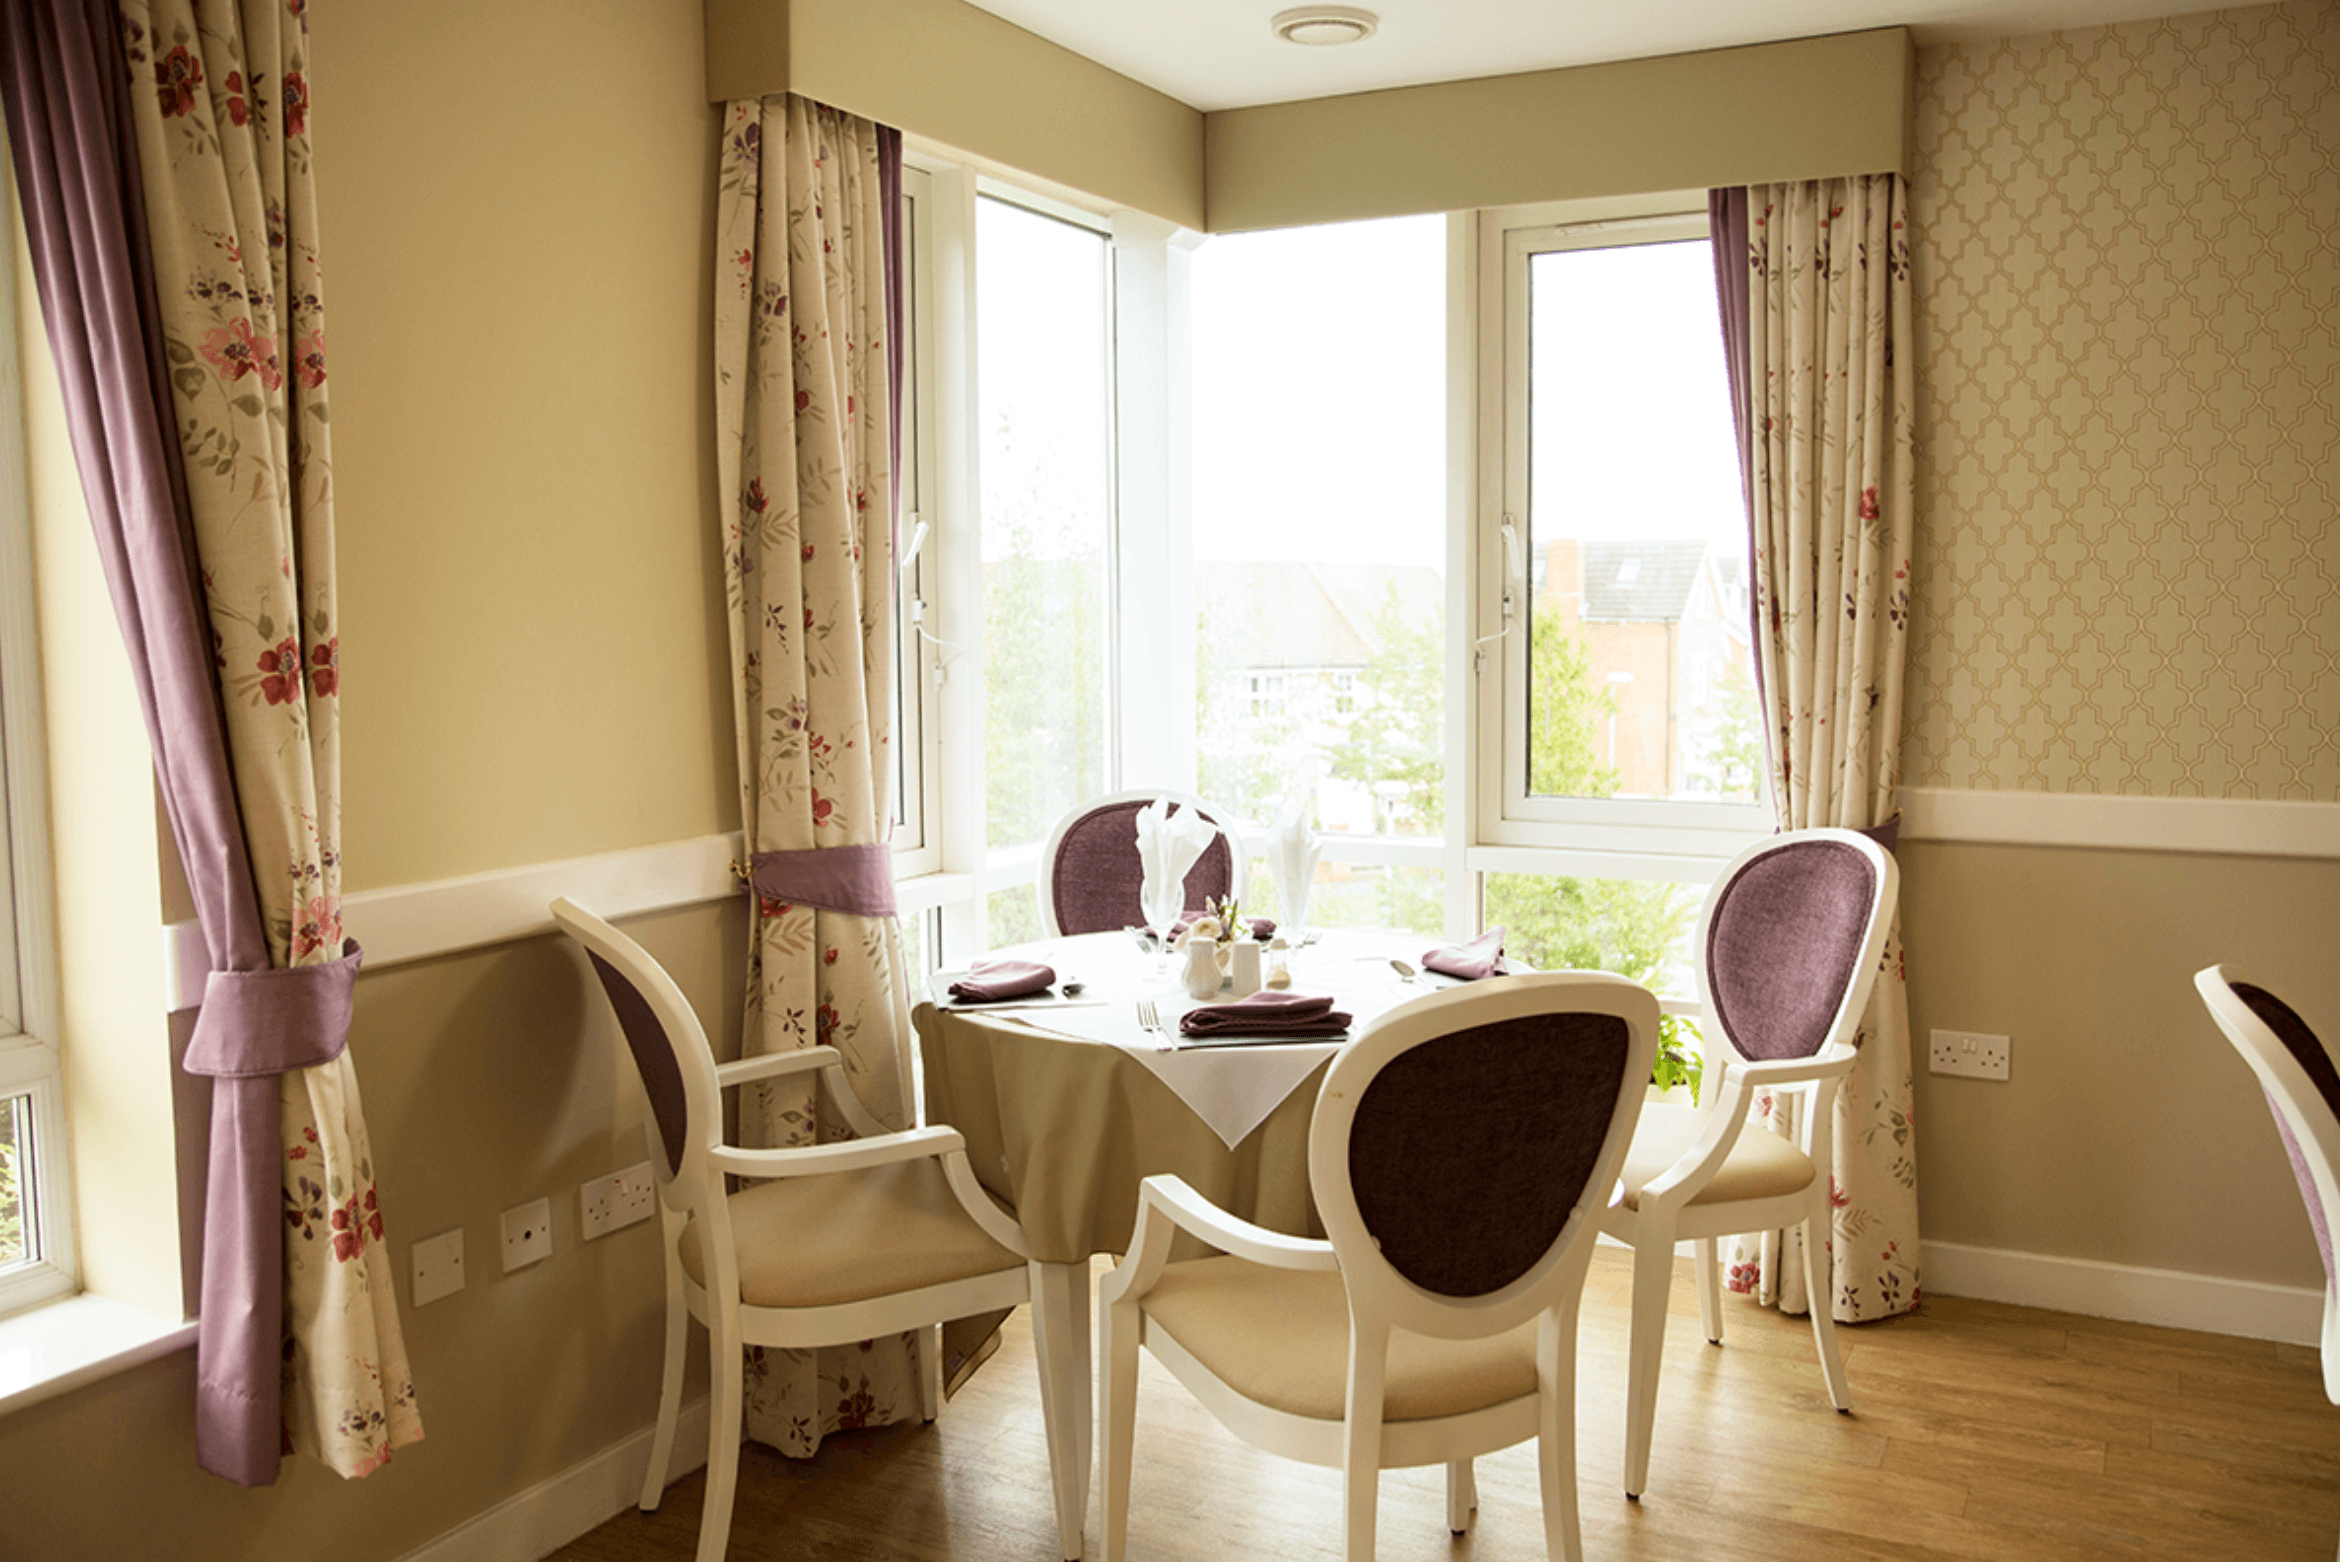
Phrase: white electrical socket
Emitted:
{"points": [[527, 1234], [619, 1199], [1970, 1053], [438, 1266]]}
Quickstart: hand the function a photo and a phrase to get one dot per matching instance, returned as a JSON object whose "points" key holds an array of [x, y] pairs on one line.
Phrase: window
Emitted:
{"points": [[1043, 307], [1319, 459], [1625, 712], [917, 651], [36, 1231]]}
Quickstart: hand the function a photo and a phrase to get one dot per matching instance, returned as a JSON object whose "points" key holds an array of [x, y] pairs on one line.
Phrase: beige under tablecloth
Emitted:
{"points": [[1064, 1130]]}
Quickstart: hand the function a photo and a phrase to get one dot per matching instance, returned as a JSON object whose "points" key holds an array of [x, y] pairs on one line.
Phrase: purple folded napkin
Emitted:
{"points": [[1266, 1014], [987, 980], [1262, 928], [1482, 956]]}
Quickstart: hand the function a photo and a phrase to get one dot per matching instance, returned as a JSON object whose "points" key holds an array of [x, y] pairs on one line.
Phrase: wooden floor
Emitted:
{"points": [[1979, 1431]]}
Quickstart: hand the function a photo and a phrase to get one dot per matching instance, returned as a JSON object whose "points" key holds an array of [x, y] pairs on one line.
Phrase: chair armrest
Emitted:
{"points": [[772, 1065], [981, 1207], [1169, 1204], [831, 1063], [852, 1155], [1725, 1119]]}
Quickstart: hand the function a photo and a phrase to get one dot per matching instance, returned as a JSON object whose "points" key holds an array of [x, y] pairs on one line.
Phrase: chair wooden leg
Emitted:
{"points": [[1556, 1431], [930, 1371], [1653, 1276], [1710, 1291], [1119, 1328], [1361, 1440], [1060, 1336], [1462, 1496], [1819, 1282], [726, 1366], [678, 1329]]}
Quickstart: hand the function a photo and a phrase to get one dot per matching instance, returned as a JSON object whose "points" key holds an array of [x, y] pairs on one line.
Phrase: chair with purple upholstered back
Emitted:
{"points": [[826, 1244], [2303, 1091], [1461, 1151], [1788, 949], [1089, 870]]}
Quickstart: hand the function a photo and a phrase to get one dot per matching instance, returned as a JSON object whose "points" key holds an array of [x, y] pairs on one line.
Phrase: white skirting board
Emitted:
{"points": [[580, 1499], [2168, 1297]]}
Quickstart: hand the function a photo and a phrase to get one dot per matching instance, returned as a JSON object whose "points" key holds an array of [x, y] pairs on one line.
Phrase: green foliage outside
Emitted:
{"points": [[12, 1249]]}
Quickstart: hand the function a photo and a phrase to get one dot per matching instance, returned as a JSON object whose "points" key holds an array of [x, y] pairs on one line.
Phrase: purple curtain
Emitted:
{"points": [[1726, 225], [66, 88]]}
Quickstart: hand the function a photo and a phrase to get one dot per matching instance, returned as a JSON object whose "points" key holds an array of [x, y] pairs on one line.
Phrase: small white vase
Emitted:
{"points": [[1201, 977]]}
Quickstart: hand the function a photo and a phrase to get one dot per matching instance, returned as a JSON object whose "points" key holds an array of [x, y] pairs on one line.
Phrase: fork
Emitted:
{"points": [[1150, 1019]]}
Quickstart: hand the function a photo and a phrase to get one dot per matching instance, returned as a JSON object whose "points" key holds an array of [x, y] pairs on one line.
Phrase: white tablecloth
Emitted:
{"points": [[1231, 1087]]}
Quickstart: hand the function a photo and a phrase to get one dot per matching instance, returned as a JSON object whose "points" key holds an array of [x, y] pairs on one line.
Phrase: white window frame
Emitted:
{"points": [[1604, 837], [29, 1063], [919, 640]]}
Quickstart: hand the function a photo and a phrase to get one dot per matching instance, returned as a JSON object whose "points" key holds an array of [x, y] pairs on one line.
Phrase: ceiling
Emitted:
{"points": [[1217, 54]]}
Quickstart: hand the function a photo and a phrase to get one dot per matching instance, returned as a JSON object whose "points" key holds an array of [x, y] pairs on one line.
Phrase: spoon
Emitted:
{"points": [[1405, 972], [1070, 989]]}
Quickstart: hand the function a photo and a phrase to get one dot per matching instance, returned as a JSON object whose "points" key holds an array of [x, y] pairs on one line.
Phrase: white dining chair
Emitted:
{"points": [[1462, 1147], [1788, 948], [1090, 873], [2302, 1084], [828, 1245]]}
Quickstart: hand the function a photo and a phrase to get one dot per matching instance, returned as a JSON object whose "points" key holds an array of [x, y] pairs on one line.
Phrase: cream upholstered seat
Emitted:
{"points": [[830, 1244], [1759, 1166], [1788, 948], [1462, 1147]]}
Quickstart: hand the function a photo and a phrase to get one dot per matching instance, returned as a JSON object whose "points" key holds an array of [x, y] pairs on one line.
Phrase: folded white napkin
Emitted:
{"points": [[1293, 850], [1169, 840]]}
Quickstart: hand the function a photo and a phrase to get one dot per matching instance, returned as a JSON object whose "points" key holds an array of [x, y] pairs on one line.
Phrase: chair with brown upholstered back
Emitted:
{"points": [[1089, 870], [1460, 1153], [1788, 950], [825, 1245], [2303, 1091]]}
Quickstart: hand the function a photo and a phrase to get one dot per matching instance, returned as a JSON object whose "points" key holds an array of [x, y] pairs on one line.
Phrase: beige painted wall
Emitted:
{"points": [[517, 219], [2128, 346], [2128, 1132], [490, 1078]]}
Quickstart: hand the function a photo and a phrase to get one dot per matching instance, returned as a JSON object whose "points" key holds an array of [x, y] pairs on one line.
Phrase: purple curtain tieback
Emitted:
{"points": [[858, 880], [257, 1023]]}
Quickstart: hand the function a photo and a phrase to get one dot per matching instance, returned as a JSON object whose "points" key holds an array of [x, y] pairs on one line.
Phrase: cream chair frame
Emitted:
{"points": [[1238, 863], [1666, 1214], [2300, 1107], [695, 1189], [1380, 1299]]}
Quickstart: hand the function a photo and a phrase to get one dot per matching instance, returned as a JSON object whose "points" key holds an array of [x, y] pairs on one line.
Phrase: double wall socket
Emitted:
{"points": [[1969, 1053], [619, 1199]]}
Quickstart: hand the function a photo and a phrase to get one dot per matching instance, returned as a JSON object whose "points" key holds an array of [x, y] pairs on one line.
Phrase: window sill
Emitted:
{"points": [[59, 1346]]}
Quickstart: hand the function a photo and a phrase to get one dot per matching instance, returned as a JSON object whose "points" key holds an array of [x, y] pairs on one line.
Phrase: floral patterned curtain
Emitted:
{"points": [[803, 446], [221, 105], [1833, 495]]}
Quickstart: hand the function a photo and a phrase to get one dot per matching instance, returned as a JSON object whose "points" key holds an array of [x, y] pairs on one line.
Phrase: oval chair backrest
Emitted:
{"points": [[1091, 873], [1466, 1141], [668, 1047], [2302, 1086], [1790, 940]]}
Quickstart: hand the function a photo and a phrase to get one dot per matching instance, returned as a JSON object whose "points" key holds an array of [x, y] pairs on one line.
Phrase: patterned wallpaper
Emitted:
{"points": [[2128, 263]]}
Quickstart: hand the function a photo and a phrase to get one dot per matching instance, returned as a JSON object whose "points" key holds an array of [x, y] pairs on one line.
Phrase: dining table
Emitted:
{"points": [[1068, 1100]]}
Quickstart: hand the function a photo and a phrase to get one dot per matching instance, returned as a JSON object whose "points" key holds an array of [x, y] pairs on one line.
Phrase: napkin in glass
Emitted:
{"points": [[1169, 840], [987, 981], [1293, 851], [1481, 957], [1266, 1013]]}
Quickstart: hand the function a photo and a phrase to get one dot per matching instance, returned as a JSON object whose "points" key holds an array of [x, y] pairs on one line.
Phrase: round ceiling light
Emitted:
{"points": [[1324, 24]]}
